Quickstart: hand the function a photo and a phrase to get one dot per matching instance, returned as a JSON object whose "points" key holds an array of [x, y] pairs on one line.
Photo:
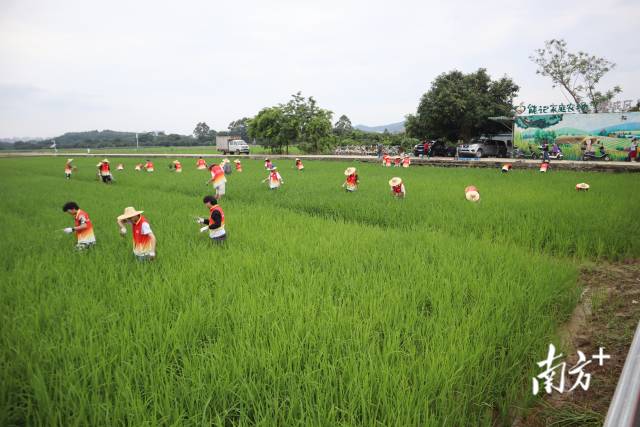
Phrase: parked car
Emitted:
{"points": [[439, 148], [231, 145], [484, 147]]}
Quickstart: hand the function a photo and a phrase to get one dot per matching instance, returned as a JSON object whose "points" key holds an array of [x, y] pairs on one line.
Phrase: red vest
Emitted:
{"points": [[352, 179], [104, 167], [397, 188], [141, 242], [216, 208]]}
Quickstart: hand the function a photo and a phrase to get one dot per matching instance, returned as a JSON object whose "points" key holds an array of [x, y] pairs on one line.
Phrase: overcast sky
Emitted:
{"points": [[73, 65]]}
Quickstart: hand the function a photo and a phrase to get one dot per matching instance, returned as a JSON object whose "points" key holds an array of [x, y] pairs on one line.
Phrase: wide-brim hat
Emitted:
{"points": [[266, 158], [582, 186], [350, 171], [236, 161], [297, 159], [225, 160], [69, 160], [99, 164], [472, 196], [105, 160], [129, 212], [395, 181]]}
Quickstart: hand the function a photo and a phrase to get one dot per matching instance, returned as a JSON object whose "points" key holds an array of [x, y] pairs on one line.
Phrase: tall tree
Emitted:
{"points": [[201, 131], [343, 126], [239, 128], [458, 106], [268, 126], [577, 73]]}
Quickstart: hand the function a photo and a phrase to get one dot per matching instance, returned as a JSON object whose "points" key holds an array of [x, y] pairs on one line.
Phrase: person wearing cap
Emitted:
{"points": [[120, 167], [201, 164], [299, 165], [105, 171], [351, 183], [177, 166], [218, 179], [406, 161], [238, 165], [267, 164], [215, 223], [144, 241], [82, 226], [397, 187], [68, 169], [274, 178], [226, 166], [148, 166]]}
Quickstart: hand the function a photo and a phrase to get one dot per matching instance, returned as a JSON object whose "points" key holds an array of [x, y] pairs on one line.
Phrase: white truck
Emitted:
{"points": [[231, 145]]}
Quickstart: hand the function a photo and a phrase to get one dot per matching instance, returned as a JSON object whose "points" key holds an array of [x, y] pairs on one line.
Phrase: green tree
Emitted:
{"points": [[239, 128], [201, 131], [577, 73], [458, 106], [343, 126], [268, 127]]}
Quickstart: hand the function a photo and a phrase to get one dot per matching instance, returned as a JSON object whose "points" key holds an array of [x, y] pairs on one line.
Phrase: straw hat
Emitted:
{"points": [[236, 161], [129, 212], [395, 181], [472, 196], [297, 159], [176, 161], [99, 164], [582, 186], [225, 160], [105, 161], [69, 160], [350, 171], [266, 158]]}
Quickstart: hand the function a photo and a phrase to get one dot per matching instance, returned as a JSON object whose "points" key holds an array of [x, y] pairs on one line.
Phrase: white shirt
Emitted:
{"points": [[145, 229]]}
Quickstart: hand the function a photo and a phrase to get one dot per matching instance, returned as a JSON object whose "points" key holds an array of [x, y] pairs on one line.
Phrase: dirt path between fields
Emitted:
{"points": [[606, 316]]}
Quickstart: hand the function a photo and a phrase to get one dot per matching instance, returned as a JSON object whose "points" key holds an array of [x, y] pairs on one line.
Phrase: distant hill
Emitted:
{"points": [[622, 127], [392, 128]]}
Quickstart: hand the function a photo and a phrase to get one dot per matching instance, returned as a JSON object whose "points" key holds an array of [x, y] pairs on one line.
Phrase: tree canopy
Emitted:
{"points": [[458, 106]]}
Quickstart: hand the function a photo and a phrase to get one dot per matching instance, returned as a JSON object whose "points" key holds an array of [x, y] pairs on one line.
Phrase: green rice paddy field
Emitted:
{"points": [[322, 308]]}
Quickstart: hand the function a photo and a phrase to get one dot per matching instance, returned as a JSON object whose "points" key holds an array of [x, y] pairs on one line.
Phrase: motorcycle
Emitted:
{"points": [[519, 154], [556, 156], [592, 156]]}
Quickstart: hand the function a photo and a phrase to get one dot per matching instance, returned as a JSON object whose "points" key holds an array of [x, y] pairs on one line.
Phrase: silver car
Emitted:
{"points": [[483, 147]]}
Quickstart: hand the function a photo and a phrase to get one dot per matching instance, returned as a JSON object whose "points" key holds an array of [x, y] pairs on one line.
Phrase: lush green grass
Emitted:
{"points": [[323, 308]]}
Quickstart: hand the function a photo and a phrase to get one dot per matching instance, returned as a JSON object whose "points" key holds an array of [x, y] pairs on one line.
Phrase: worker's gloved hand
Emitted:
{"points": [[123, 231], [68, 230], [200, 220], [205, 228]]}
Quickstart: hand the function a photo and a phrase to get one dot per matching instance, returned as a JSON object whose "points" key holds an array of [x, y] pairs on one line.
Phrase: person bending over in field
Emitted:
{"points": [[352, 181], [238, 165], [138, 167], [148, 166], [82, 227], [274, 178], [267, 164], [397, 188], [105, 171], [218, 179], [226, 166], [144, 241], [215, 223], [68, 169], [120, 167], [201, 164], [177, 166], [299, 165]]}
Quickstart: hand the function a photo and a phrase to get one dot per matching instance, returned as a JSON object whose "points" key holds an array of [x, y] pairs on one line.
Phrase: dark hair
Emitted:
{"points": [[210, 199], [70, 205]]}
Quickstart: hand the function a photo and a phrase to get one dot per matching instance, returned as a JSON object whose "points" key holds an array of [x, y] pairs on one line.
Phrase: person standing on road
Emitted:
{"points": [[545, 150], [426, 149], [218, 179], [397, 187], [379, 150], [144, 241], [215, 223], [82, 226], [352, 181], [633, 150]]}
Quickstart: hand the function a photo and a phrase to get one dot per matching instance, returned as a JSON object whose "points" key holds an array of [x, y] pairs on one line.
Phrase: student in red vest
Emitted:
{"points": [[238, 165], [201, 164], [105, 171], [274, 178], [351, 183], [148, 166], [138, 167], [218, 179], [144, 241], [82, 226], [177, 166], [396, 162], [215, 223], [267, 163], [397, 187], [68, 169], [120, 167], [299, 165]]}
